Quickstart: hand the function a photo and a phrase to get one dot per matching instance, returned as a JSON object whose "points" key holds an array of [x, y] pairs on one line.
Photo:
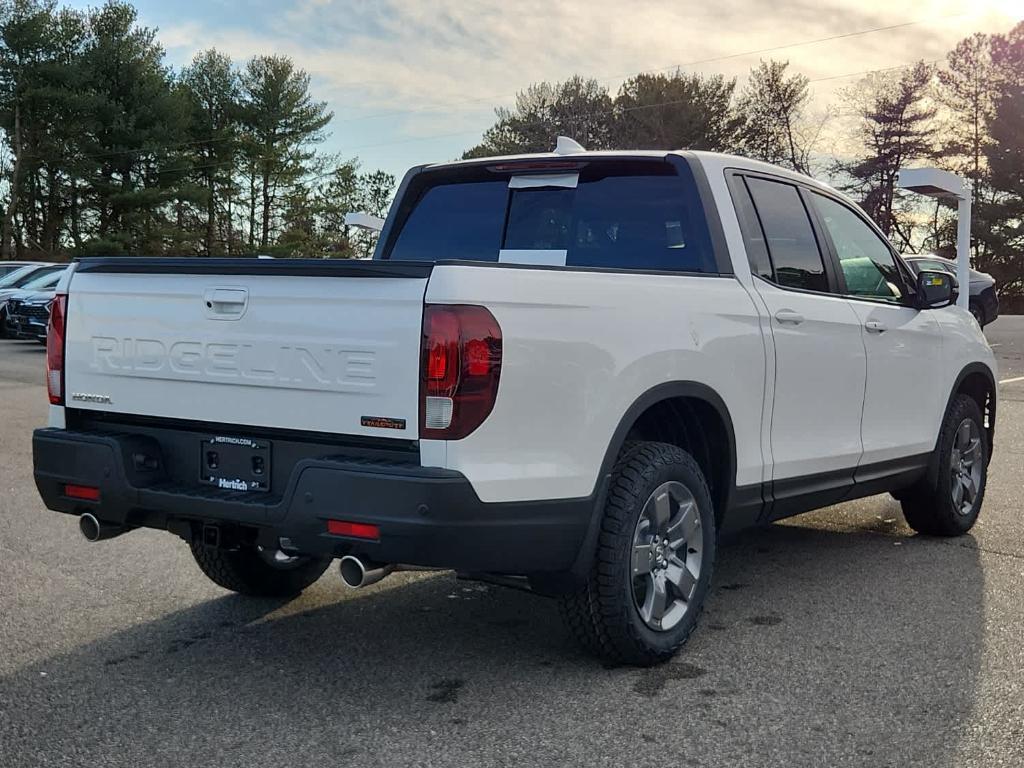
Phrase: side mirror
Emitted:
{"points": [[935, 290]]}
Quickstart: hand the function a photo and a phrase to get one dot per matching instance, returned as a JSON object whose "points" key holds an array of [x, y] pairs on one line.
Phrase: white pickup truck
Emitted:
{"points": [[568, 371]]}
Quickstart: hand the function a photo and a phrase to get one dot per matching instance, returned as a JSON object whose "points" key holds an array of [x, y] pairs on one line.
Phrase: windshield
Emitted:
{"points": [[11, 279], [610, 214], [931, 266], [48, 280]]}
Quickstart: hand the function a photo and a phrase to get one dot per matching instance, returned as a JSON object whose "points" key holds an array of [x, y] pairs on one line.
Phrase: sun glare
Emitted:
{"points": [[1012, 8]]}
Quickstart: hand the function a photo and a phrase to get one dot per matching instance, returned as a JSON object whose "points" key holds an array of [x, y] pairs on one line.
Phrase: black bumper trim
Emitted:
{"points": [[427, 516]]}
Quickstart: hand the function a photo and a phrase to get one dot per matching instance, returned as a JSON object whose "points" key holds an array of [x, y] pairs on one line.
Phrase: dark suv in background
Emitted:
{"points": [[23, 277], [28, 311], [984, 301], [9, 267]]}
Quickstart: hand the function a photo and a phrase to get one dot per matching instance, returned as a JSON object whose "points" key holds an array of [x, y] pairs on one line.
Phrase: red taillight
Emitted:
{"points": [[55, 348], [442, 349], [355, 530], [84, 492], [460, 364], [478, 357]]}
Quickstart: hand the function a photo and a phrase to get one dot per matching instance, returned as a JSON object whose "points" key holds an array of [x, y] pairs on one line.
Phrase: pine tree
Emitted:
{"points": [[1005, 154], [283, 122], [775, 124], [968, 88], [27, 53], [213, 88], [897, 127], [676, 111], [579, 108], [139, 138]]}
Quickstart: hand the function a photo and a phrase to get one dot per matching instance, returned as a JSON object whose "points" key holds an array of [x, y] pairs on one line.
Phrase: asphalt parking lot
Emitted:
{"points": [[836, 638]]}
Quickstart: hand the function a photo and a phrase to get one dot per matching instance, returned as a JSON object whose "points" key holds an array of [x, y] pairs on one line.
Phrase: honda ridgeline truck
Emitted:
{"points": [[569, 371]]}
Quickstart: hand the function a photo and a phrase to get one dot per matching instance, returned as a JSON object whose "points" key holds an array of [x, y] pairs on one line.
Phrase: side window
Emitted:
{"points": [[753, 236], [867, 262], [787, 229]]}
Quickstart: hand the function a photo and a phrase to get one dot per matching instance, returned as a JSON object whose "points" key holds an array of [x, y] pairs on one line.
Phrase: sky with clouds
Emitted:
{"points": [[415, 81]]}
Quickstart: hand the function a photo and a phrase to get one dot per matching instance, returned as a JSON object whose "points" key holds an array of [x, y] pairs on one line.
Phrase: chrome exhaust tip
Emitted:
{"points": [[357, 573], [96, 530]]}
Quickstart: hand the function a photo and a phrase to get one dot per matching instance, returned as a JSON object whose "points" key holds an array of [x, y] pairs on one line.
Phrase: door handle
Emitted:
{"points": [[789, 316], [876, 326]]}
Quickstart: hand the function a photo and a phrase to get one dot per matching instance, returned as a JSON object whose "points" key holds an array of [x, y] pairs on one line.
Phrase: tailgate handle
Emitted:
{"points": [[226, 303]]}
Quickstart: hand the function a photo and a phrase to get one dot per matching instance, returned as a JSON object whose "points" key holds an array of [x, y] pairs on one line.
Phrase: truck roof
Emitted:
{"points": [[710, 160]]}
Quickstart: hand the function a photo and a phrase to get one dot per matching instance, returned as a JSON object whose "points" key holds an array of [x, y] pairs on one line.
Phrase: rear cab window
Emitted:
{"points": [[599, 214], [786, 230]]}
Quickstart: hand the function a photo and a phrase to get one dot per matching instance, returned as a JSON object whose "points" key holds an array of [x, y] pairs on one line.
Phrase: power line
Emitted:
{"points": [[615, 111], [468, 132], [498, 97], [695, 62], [601, 114]]}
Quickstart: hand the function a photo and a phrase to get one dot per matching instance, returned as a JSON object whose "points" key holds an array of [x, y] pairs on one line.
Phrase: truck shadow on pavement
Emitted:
{"points": [[818, 647]]}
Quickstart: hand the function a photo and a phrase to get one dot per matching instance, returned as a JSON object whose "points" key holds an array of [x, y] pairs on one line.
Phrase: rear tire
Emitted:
{"points": [[654, 559], [257, 572], [950, 505]]}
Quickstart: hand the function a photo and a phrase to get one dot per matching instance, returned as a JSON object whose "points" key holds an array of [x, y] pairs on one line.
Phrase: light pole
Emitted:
{"points": [[934, 182]]}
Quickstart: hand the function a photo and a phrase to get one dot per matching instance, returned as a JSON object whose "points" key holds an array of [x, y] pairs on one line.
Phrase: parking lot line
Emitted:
{"points": [[1010, 381]]}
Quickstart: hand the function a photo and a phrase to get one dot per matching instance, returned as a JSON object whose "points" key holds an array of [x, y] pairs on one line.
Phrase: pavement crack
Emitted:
{"points": [[988, 550]]}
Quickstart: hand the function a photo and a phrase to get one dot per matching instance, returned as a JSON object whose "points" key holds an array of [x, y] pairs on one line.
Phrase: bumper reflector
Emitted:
{"points": [[85, 492], [355, 530]]}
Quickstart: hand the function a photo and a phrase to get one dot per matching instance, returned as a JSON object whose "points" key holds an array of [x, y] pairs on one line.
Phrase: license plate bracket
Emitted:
{"points": [[235, 463]]}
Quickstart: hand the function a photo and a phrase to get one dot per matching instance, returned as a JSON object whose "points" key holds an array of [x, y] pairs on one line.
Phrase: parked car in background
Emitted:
{"points": [[27, 311], [984, 301], [25, 277], [22, 275], [7, 267]]}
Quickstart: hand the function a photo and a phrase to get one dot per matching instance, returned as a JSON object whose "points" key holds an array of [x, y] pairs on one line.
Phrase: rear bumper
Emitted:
{"points": [[427, 517]]}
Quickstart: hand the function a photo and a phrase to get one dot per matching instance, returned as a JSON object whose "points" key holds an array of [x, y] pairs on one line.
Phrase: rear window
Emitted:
{"points": [[621, 215], [454, 221]]}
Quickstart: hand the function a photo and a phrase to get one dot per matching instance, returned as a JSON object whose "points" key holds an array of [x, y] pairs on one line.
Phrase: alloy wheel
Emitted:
{"points": [[965, 466], [666, 556]]}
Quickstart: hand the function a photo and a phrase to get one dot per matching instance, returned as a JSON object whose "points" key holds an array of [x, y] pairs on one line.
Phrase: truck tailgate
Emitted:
{"points": [[336, 351]]}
